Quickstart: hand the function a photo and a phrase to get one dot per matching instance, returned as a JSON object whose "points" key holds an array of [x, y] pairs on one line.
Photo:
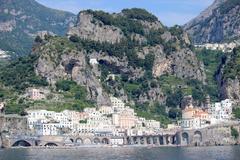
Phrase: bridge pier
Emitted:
{"points": [[138, 140], [131, 141], [164, 140], [145, 140], [158, 141], [125, 142]]}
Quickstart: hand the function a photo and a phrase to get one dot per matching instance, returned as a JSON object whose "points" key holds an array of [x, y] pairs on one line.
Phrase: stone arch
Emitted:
{"points": [[197, 138], [128, 140], [185, 138], [142, 140], [156, 140], [105, 141], [87, 141], [22, 143], [50, 144], [96, 141], [69, 140], [149, 140], [135, 140], [161, 140], [79, 141]]}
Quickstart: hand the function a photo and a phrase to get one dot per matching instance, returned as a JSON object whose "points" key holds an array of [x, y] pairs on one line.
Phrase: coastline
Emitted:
{"points": [[108, 146]]}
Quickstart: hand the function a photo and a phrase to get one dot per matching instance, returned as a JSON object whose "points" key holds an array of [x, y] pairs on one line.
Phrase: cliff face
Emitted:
{"points": [[20, 21], [219, 22], [228, 76], [87, 28], [136, 49]]}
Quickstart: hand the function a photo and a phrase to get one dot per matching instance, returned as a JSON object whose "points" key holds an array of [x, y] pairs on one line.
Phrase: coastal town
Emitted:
{"points": [[119, 121]]}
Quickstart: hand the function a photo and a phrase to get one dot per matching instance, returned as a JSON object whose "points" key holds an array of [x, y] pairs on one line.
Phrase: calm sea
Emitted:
{"points": [[131, 153]]}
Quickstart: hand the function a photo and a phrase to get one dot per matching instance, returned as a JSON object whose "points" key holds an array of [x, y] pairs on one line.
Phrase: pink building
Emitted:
{"points": [[35, 94]]}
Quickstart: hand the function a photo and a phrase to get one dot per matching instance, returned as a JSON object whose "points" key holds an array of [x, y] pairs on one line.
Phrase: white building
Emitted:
{"points": [[116, 120], [107, 110], [51, 123], [93, 61], [47, 129], [221, 111], [152, 124], [117, 104], [116, 141], [1, 106], [194, 118], [224, 47]]}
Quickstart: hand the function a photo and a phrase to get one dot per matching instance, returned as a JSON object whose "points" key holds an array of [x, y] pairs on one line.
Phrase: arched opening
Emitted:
{"points": [[79, 141], [69, 140], [142, 140], [105, 141], [135, 140], [174, 140], [156, 140], [128, 140], [167, 139], [185, 138], [149, 140], [21, 143], [96, 141], [50, 144], [161, 140], [87, 141], [197, 138]]}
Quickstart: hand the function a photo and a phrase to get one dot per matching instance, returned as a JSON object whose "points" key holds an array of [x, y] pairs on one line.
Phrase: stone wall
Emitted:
{"points": [[210, 136], [11, 125]]}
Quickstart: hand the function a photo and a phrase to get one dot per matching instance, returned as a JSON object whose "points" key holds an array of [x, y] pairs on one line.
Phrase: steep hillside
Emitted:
{"points": [[20, 20], [218, 23], [229, 76], [139, 60], [130, 55]]}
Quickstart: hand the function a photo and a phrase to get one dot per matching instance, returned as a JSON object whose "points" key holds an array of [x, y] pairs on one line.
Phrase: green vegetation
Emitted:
{"points": [[139, 14], [75, 96], [83, 121], [155, 111], [232, 68], [234, 133], [124, 23], [20, 40], [175, 89], [211, 60], [20, 74], [236, 113]]}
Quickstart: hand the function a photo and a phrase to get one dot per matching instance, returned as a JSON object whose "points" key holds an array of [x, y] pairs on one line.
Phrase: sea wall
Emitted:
{"points": [[12, 125], [209, 136]]}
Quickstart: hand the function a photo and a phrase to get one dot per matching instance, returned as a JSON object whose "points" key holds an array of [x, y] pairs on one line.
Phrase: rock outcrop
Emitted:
{"points": [[89, 28], [131, 53], [219, 22]]}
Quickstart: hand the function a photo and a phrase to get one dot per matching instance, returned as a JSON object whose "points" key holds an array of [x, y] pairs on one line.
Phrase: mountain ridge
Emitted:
{"points": [[219, 23], [21, 20]]}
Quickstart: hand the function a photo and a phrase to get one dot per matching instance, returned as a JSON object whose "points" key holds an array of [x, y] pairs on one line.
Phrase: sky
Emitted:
{"points": [[169, 12]]}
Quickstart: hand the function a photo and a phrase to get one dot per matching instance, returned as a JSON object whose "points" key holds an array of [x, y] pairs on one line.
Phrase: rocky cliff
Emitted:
{"points": [[132, 45], [228, 76], [218, 23], [20, 20]]}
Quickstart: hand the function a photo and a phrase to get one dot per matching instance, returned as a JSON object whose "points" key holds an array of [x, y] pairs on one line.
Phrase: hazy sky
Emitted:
{"points": [[170, 12]]}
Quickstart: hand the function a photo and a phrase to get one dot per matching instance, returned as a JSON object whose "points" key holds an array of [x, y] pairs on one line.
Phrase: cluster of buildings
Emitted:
{"points": [[224, 47], [213, 114], [2, 105], [4, 54], [115, 120]]}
